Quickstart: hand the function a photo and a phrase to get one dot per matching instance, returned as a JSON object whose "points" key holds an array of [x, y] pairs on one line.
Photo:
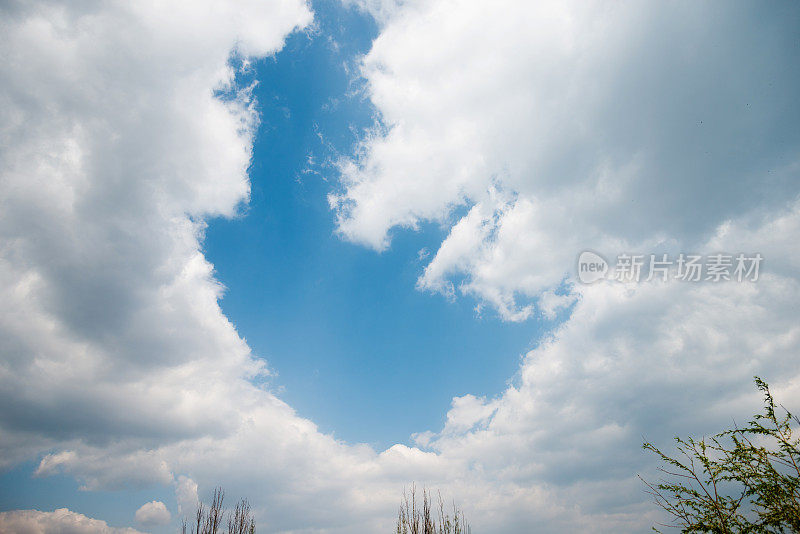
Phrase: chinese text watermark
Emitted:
{"points": [[719, 267]]}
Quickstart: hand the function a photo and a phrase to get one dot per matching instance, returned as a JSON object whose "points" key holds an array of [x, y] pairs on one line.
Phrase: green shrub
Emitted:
{"points": [[743, 480]]}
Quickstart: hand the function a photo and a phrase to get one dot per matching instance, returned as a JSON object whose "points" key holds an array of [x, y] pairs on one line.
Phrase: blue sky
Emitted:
{"points": [[315, 253], [355, 347]]}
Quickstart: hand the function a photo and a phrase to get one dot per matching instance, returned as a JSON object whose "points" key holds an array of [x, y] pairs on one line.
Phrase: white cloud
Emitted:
{"points": [[153, 513], [118, 366], [567, 126], [186, 495], [552, 303], [557, 128], [538, 130], [115, 149], [61, 521], [651, 360], [381, 10]]}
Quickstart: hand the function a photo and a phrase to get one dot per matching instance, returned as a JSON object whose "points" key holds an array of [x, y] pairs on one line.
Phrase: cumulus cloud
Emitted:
{"points": [[115, 149], [567, 126], [118, 366], [61, 521], [153, 513], [186, 495], [649, 360], [533, 130]]}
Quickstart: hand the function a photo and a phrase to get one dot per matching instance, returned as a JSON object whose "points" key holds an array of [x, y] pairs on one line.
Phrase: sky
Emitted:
{"points": [[317, 252], [353, 345]]}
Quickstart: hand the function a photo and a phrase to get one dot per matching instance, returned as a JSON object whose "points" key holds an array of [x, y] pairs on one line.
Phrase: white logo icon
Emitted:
{"points": [[591, 267]]}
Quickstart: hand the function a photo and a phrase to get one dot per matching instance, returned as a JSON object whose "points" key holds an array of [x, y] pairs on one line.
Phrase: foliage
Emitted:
{"points": [[741, 481]]}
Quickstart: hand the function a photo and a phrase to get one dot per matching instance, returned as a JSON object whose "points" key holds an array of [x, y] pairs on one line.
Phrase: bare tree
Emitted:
{"points": [[411, 519], [209, 520], [241, 521]]}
